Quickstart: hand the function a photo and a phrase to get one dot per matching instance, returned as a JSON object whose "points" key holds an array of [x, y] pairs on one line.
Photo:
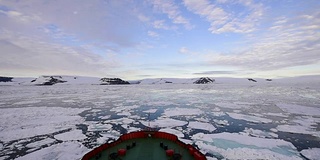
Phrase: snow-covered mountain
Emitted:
{"points": [[73, 80], [51, 80], [204, 80]]}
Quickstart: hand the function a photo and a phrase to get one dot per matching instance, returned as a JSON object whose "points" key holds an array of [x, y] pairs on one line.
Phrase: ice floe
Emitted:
{"points": [[170, 112], [164, 123], [312, 153], [151, 111], [249, 118], [297, 129], [72, 135], [40, 143], [61, 151], [232, 105], [108, 135], [201, 125], [122, 109], [298, 109], [303, 124], [18, 123], [172, 131], [123, 120], [221, 122], [259, 133], [97, 126], [237, 146]]}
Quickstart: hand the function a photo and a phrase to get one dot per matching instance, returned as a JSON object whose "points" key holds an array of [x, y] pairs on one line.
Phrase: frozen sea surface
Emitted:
{"points": [[223, 121]]}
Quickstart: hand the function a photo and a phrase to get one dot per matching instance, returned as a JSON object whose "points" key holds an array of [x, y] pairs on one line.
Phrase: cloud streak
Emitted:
{"points": [[221, 20], [215, 73], [29, 55], [172, 11], [286, 44]]}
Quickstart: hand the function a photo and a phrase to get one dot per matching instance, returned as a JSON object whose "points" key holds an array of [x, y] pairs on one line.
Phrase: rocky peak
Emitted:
{"points": [[252, 80], [6, 79], [48, 80], [204, 80], [112, 81]]}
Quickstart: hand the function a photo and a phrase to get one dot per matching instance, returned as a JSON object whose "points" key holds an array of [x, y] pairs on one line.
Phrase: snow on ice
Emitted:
{"points": [[312, 153], [237, 146], [201, 125], [63, 151], [66, 121]]}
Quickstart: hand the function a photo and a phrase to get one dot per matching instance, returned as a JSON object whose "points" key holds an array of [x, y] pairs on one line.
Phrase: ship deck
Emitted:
{"points": [[144, 148]]}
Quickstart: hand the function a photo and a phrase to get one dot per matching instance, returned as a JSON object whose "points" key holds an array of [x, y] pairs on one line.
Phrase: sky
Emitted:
{"points": [[137, 39]]}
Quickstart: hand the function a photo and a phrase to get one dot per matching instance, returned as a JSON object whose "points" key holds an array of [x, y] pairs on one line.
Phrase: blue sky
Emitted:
{"points": [[160, 38]]}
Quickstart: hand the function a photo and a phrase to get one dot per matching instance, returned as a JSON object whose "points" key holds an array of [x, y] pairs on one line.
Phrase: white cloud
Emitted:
{"points": [[30, 56], [290, 42], [172, 10], [161, 24], [143, 18], [94, 20], [185, 50], [221, 20], [153, 34]]}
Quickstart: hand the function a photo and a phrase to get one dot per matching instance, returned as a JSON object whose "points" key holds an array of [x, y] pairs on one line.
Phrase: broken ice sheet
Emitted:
{"points": [[249, 118], [71, 135], [237, 146], [312, 153], [298, 109], [19, 123], [164, 123], [170, 112], [65, 150], [201, 125]]}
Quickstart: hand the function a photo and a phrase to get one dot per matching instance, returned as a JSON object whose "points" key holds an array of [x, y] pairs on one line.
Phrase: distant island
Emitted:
{"points": [[71, 80]]}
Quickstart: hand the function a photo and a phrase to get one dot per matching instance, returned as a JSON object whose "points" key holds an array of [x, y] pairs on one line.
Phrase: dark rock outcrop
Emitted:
{"points": [[53, 81], [112, 81], [48, 80], [252, 80], [204, 80], [6, 79]]}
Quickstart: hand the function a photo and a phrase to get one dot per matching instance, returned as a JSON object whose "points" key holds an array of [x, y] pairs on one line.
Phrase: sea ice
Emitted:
{"points": [[173, 131], [40, 143], [170, 112], [72, 135], [231, 105], [259, 133], [27, 102], [19, 123], [276, 114], [297, 129], [96, 126], [312, 153], [298, 109], [61, 151], [164, 123], [249, 118], [123, 120], [237, 146], [108, 135], [200, 125], [221, 122], [243, 152], [124, 108], [151, 111]]}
